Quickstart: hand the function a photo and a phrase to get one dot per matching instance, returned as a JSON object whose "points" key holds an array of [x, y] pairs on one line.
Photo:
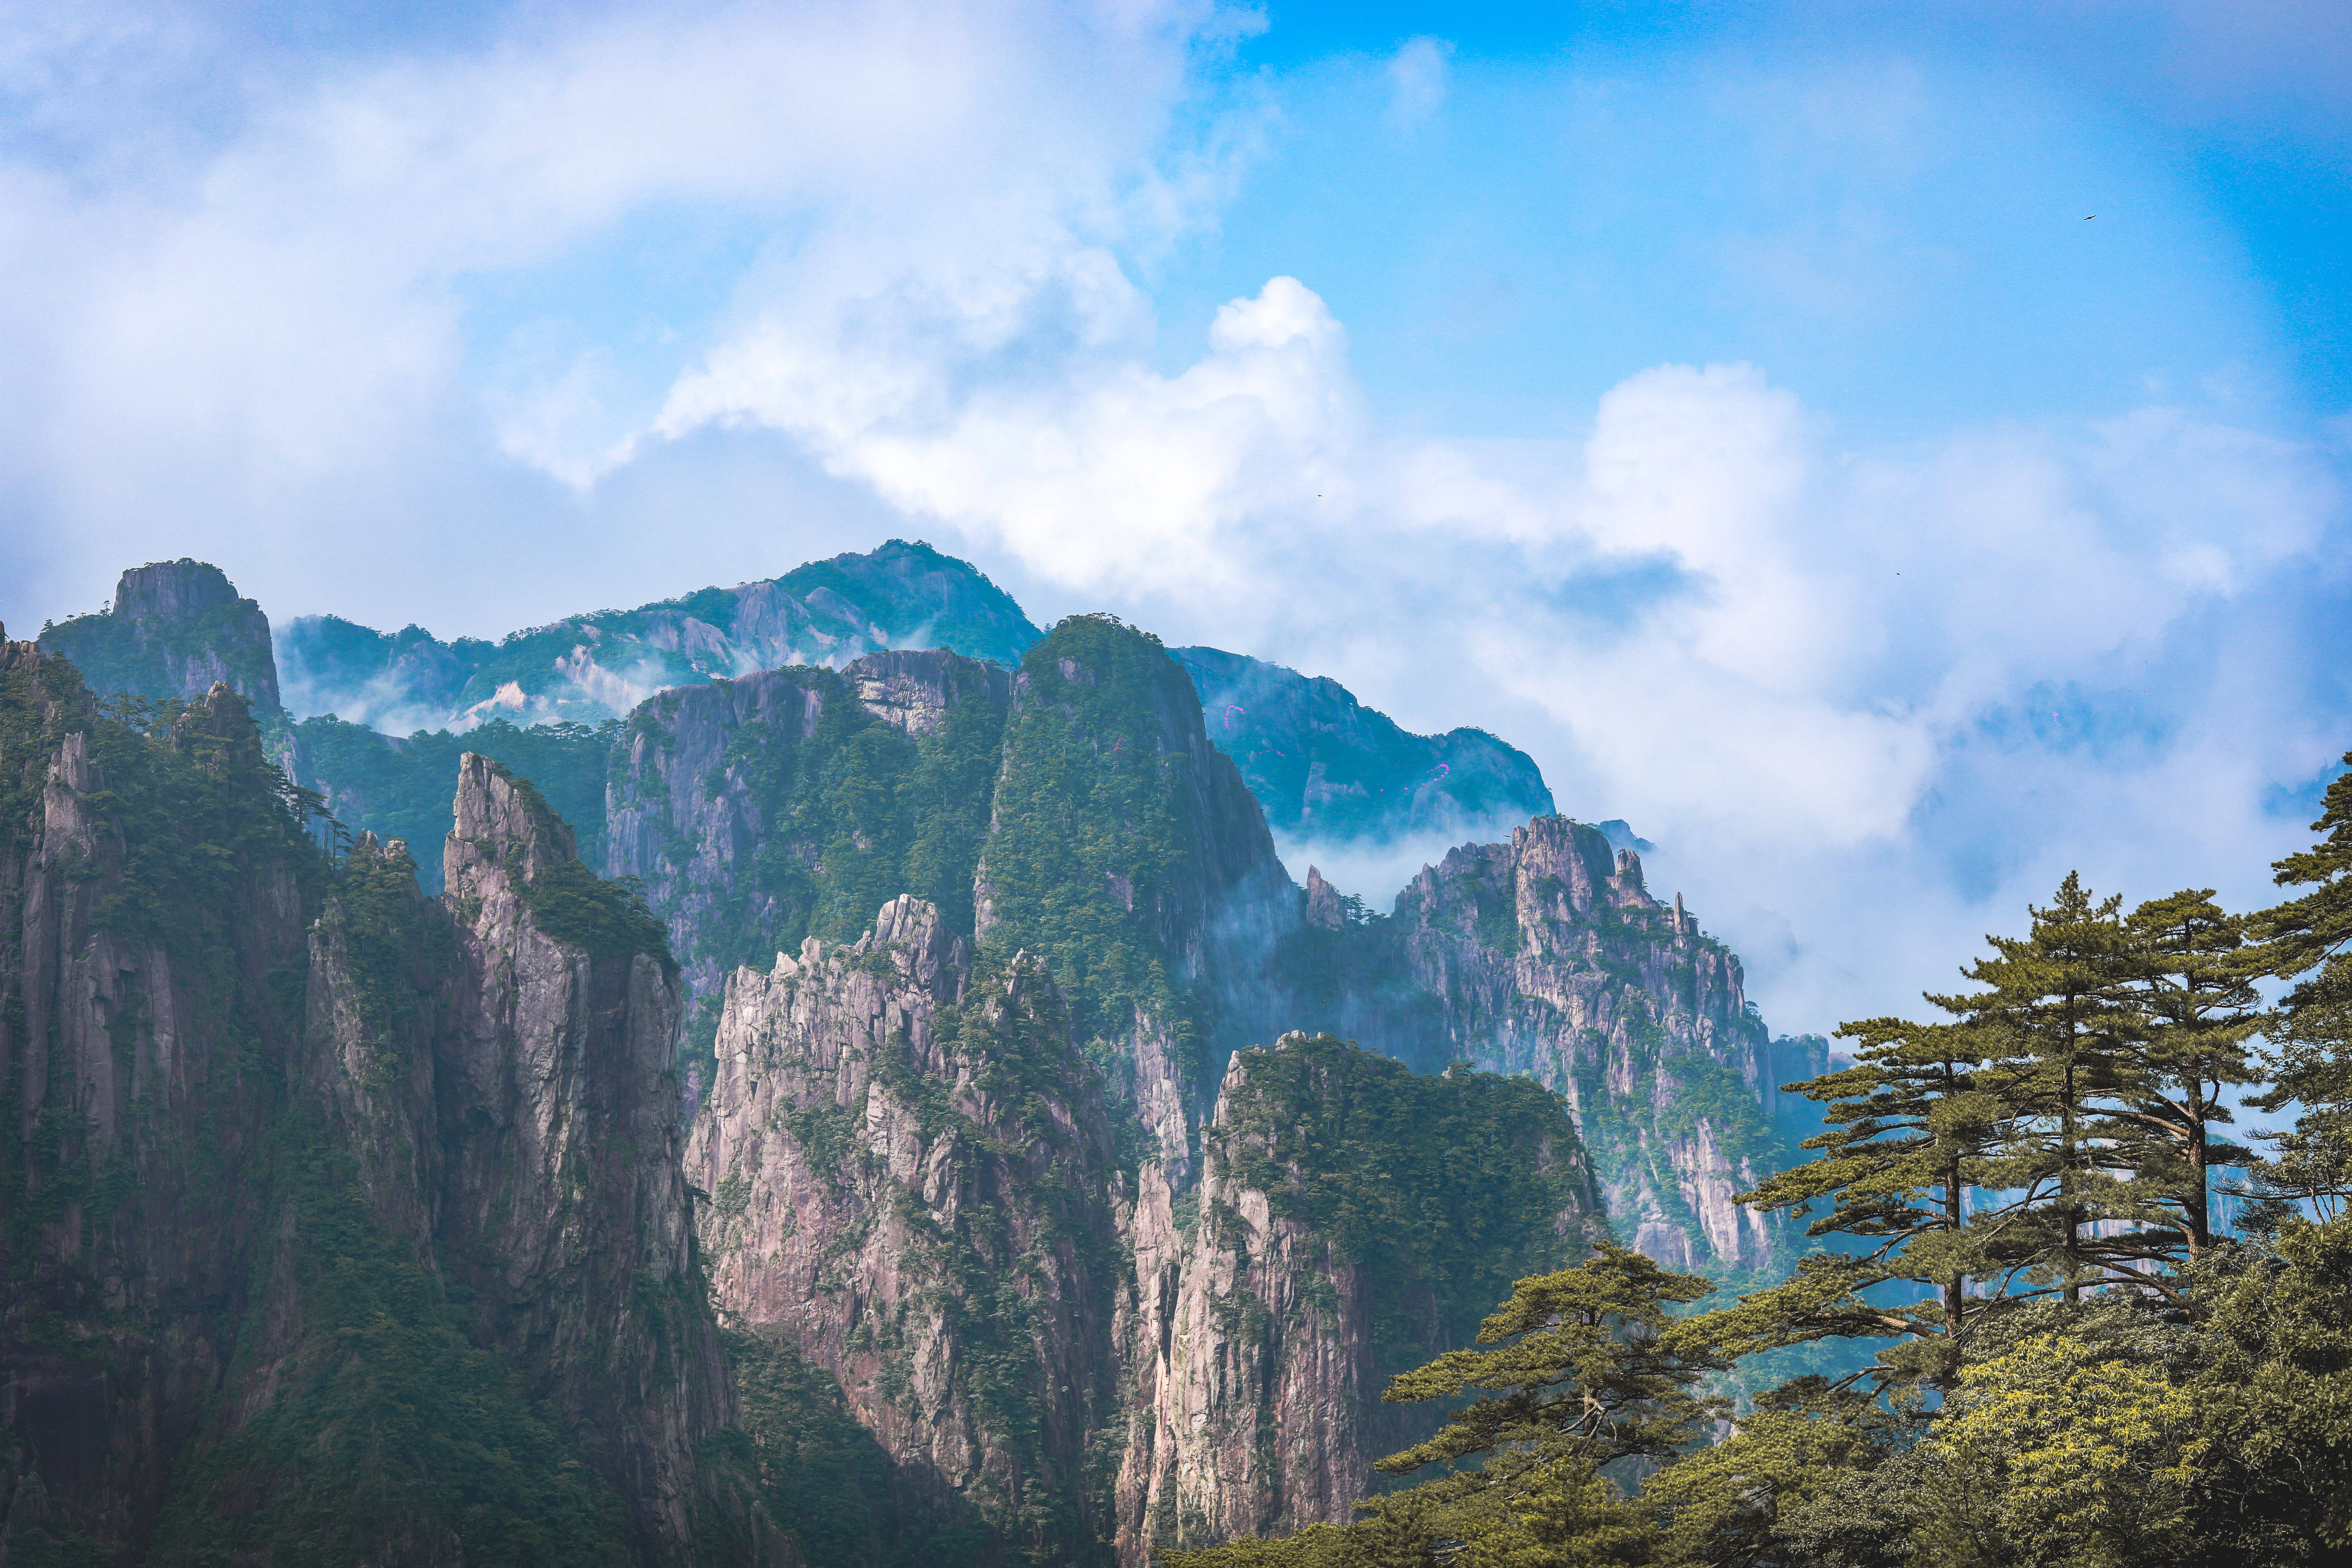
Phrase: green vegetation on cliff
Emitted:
{"points": [[237, 1350], [1442, 1189], [849, 816], [1089, 841], [390, 1435]]}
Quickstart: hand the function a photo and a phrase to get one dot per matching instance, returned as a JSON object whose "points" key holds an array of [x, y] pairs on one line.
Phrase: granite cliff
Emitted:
{"points": [[335, 1220], [1351, 1220], [173, 629], [760, 810], [1547, 956], [1125, 849], [913, 1183]]}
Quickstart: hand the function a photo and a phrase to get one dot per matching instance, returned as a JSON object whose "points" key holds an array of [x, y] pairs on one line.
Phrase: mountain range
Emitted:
{"points": [[816, 1071]]}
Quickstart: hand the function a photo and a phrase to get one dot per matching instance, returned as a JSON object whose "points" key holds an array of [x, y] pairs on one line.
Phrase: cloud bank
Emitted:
{"points": [[578, 311]]}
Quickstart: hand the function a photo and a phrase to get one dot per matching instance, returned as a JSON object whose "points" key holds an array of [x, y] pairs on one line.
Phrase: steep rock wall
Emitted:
{"points": [[763, 810], [912, 1180], [1125, 849], [331, 1225], [568, 1211], [1351, 1220], [174, 629], [1547, 956], [150, 914]]}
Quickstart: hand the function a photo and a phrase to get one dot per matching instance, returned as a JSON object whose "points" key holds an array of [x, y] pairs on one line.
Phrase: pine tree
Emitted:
{"points": [[2059, 1002], [1911, 1131], [2309, 1062], [2199, 1011], [1584, 1369]]}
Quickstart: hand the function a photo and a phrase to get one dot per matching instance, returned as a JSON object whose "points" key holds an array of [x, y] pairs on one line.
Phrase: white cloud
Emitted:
{"points": [[1839, 630], [1417, 75], [285, 323], [317, 340]]}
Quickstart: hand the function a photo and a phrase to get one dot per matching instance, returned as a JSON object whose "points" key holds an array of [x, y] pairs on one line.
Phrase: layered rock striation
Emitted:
{"points": [[912, 1180]]}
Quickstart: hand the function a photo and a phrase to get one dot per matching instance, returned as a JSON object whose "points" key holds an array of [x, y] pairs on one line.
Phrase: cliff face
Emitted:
{"points": [[132, 1012], [336, 1222], [1271, 1307], [567, 1209], [912, 1180], [792, 803], [1125, 849], [174, 629], [1547, 956]]}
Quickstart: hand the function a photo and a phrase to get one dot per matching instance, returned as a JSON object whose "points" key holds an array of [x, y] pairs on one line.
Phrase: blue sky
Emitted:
{"points": [[1891, 454]]}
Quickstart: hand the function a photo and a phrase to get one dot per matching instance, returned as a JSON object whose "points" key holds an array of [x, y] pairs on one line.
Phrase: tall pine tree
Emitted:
{"points": [[2199, 1011], [2059, 1015], [1912, 1132], [2304, 938]]}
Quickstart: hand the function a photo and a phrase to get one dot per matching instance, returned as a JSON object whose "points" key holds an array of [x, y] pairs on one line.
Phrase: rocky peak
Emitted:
{"points": [[1265, 1321], [1125, 849], [505, 832], [171, 591], [221, 716], [175, 628], [1547, 956], [1324, 911], [913, 689], [911, 1172]]}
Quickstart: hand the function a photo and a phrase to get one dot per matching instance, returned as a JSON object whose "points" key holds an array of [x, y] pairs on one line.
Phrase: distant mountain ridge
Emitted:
{"points": [[1326, 766], [373, 720], [589, 667]]}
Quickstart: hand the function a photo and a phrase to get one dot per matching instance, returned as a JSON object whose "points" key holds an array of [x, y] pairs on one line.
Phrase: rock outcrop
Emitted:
{"points": [[336, 1221], [1125, 848], [1268, 1319], [763, 810], [141, 978], [567, 1209], [174, 629], [912, 1179], [1547, 956]]}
